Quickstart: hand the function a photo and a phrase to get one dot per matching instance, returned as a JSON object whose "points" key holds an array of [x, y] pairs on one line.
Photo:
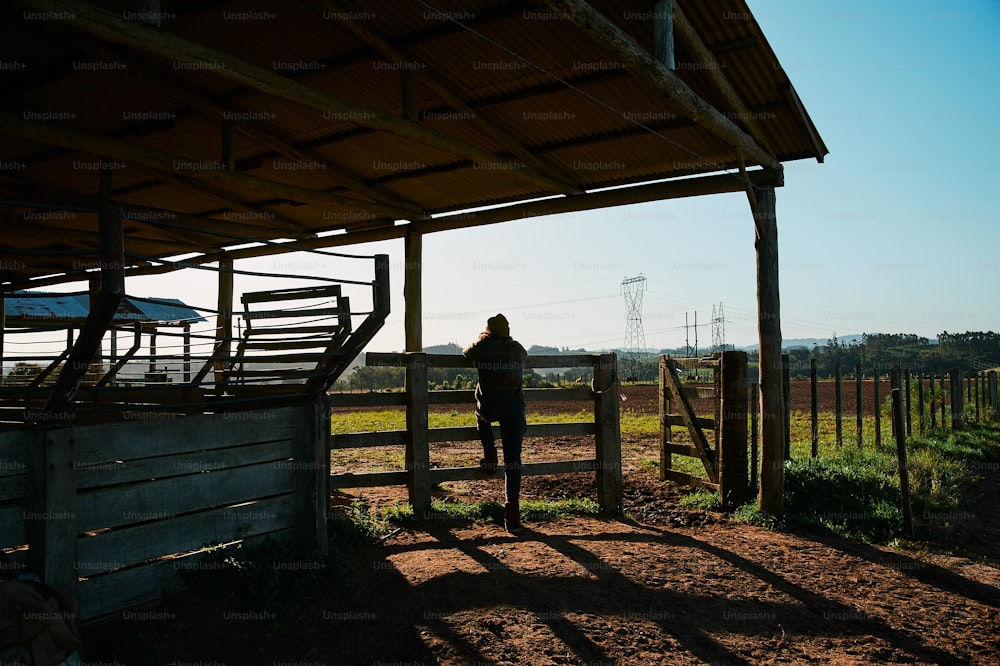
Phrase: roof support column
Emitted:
{"points": [[413, 290], [3, 327], [223, 321], [663, 33], [770, 365], [102, 312]]}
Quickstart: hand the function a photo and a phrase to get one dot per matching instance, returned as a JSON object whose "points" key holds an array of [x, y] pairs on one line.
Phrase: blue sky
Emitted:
{"points": [[896, 232]]}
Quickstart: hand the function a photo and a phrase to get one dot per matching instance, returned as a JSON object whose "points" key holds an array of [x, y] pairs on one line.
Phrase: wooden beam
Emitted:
{"points": [[38, 197], [671, 189], [109, 27], [602, 31], [413, 291], [663, 33], [772, 403], [112, 291], [719, 81], [167, 163], [145, 71], [276, 222], [381, 44]]}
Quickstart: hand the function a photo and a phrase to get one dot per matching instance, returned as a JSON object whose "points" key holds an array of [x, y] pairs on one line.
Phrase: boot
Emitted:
{"points": [[489, 461], [512, 516]]}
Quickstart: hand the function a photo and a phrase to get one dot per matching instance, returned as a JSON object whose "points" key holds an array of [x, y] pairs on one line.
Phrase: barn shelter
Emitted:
{"points": [[32, 311], [148, 137]]}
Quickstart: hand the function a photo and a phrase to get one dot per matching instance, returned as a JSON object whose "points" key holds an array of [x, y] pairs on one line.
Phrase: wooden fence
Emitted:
{"points": [[724, 453], [115, 513], [930, 402], [417, 439]]}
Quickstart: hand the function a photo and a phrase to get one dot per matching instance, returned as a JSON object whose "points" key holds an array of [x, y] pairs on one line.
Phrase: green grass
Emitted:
{"points": [[855, 492], [401, 513], [390, 419]]}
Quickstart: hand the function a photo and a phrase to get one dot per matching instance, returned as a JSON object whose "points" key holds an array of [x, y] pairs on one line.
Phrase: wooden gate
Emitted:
{"points": [[723, 451]]}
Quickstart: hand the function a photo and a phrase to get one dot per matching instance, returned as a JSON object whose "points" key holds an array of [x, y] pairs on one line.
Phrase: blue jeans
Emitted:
{"points": [[512, 428]]}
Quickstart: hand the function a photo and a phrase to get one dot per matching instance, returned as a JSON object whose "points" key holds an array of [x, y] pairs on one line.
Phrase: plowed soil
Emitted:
{"points": [[668, 585]]}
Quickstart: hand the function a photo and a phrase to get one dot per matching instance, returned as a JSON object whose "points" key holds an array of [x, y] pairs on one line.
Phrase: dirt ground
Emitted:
{"points": [[668, 585]]}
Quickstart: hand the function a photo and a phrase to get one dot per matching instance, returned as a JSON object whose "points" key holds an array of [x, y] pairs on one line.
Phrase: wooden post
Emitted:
{"points": [[51, 522], [100, 317], [878, 406], [893, 385], [786, 392], [3, 327], [152, 349], [224, 319], [814, 407], [608, 438], [772, 479], [666, 430], [412, 291], [944, 401], [977, 395], [311, 494], [991, 391], [187, 353], [754, 437], [838, 404], [957, 400], [933, 404], [899, 427], [859, 400], [920, 399], [663, 33], [732, 454], [418, 460], [906, 403]]}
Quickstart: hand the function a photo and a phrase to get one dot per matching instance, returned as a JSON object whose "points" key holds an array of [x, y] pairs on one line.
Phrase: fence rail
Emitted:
{"points": [[416, 439]]}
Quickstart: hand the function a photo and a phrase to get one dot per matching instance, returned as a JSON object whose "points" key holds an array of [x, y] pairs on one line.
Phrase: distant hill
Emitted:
{"points": [[809, 343]]}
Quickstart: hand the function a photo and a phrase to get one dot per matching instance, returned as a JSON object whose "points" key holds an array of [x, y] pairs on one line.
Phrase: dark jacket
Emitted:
{"points": [[500, 361]]}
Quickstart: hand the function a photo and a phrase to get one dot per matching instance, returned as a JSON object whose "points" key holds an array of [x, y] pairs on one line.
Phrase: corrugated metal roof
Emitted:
{"points": [[26, 307], [529, 81]]}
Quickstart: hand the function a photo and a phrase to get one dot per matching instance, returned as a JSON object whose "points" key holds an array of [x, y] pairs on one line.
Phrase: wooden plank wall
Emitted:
{"points": [[14, 493], [139, 499]]}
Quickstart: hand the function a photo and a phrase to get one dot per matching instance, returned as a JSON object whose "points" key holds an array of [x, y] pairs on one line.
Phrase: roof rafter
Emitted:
{"points": [[599, 29], [109, 27], [378, 42], [719, 82], [167, 163]]}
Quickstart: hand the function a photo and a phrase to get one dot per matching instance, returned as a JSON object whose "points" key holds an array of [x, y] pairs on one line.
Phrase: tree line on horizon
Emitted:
{"points": [[972, 351]]}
